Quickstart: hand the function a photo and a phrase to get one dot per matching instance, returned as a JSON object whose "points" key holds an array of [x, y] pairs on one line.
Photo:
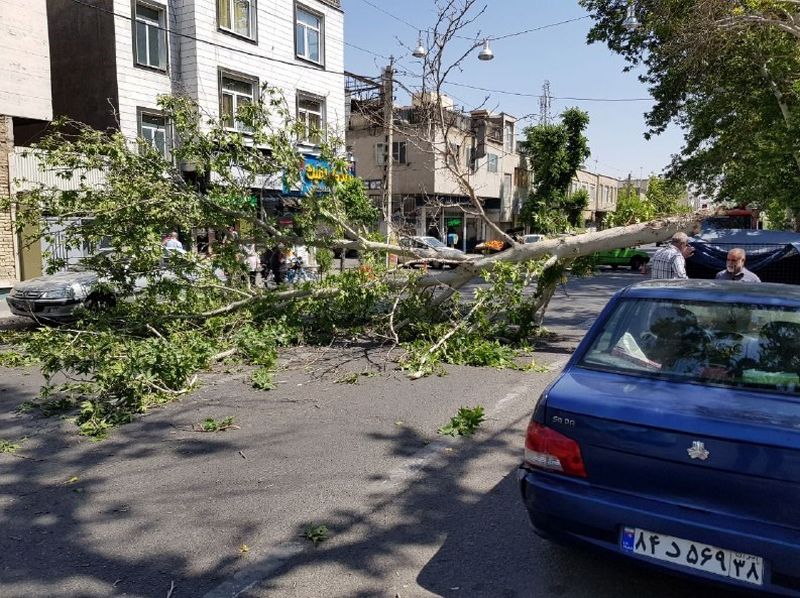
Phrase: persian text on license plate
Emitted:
{"points": [[696, 555]]}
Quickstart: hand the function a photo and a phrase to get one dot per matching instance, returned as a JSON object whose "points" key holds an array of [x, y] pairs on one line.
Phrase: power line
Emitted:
{"points": [[395, 17], [536, 95], [365, 50], [490, 38], [540, 28]]}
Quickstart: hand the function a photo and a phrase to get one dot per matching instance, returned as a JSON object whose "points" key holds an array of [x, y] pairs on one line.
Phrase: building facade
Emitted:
{"points": [[112, 59], [427, 198], [603, 193], [25, 104], [105, 63]]}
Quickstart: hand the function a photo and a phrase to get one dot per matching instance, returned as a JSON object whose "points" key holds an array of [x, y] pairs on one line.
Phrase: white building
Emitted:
{"points": [[113, 58], [25, 104]]}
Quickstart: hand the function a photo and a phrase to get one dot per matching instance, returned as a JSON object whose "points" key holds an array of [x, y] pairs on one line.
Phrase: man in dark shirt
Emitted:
{"points": [[734, 268]]}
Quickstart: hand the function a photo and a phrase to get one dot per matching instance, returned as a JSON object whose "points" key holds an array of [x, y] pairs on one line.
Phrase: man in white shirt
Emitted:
{"points": [[173, 242]]}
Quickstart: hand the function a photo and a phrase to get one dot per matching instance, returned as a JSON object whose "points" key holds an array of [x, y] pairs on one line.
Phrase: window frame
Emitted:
{"points": [[253, 37], [161, 28], [508, 134], [492, 163], [401, 154], [304, 95], [241, 78], [141, 112], [299, 7]]}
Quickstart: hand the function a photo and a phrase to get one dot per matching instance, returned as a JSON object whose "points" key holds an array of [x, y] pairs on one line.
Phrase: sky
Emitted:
{"points": [[522, 63]]}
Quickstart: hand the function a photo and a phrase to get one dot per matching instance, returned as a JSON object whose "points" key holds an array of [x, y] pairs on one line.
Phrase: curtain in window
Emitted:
{"points": [[241, 16], [224, 13]]}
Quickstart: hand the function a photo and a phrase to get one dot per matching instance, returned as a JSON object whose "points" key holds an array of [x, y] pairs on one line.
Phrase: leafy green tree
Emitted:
{"points": [[667, 196], [631, 208], [727, 72], [183, 312], [555, 153]]}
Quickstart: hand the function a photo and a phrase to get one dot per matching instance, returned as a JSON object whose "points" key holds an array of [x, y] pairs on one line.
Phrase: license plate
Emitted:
{"points": [[695, 555], [21, 304]]}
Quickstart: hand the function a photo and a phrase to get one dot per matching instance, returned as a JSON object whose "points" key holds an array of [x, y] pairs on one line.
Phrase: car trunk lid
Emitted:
{"points": [[710, 448]]}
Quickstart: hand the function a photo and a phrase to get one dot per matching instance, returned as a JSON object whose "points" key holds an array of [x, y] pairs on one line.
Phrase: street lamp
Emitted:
{"points": [[421, 51], [486, 53], [631, 23]]}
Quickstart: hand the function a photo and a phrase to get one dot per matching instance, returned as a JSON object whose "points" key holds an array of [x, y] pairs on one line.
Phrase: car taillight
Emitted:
{"points": [[547, 449]]}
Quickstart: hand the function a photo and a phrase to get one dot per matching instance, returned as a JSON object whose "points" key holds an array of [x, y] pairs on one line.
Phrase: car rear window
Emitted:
{"points": [[729, 344]]}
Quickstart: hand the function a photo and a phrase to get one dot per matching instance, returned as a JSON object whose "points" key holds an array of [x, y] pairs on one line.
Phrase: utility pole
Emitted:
{"points": [[545, 104], [388, 157]]}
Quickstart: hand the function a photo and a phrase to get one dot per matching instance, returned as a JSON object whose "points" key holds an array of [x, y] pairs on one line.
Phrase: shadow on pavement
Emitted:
{"points": [[78, 518], [488, 547], [494, 553]]}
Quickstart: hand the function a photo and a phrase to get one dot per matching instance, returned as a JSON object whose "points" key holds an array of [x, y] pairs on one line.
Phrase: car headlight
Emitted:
{"points": [[78, 290], [60, 293]]}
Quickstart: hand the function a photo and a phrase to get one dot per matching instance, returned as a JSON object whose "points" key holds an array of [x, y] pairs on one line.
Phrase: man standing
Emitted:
{"points": [[173, 242], [670, 261], [734, 268]]}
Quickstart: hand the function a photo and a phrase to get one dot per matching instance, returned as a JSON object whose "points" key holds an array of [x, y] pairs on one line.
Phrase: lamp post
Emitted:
{"points": [[631, 23], [485, 54]]}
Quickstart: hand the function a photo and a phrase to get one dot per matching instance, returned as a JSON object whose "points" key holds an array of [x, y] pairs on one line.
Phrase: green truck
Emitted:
{"points": [[630, 257]]}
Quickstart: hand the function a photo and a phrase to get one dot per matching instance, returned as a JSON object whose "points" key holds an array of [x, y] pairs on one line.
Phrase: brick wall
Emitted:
{"points": [[8, 270]]}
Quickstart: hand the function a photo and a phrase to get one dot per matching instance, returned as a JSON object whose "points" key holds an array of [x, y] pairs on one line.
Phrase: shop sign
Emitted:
{"points": [[314, 174]]}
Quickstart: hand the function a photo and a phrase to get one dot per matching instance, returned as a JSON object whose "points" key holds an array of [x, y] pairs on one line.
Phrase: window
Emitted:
{"points": [[153, 129], [310, 112], [151, 37], [508, 137], [710, 343], [398, 153], [508, 187], [491, 162], [454, 157], [235, 93], [308, 35], [237, 16]]}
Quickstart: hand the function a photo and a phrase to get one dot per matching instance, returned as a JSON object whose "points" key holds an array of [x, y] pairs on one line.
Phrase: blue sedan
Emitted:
{"points": [[673, 434]]}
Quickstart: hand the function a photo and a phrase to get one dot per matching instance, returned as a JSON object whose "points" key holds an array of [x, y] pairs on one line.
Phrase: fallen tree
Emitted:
{"points": [[184, 311]]}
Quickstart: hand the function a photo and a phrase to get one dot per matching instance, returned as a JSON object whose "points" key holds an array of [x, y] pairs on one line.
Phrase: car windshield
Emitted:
{"points": [[728, 344], [431, 242]]}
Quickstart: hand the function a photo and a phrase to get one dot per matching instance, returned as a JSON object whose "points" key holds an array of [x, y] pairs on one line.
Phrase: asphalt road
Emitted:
{"points": [[160, 509]]}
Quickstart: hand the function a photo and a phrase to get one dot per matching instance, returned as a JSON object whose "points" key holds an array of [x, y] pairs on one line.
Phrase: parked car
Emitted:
{"points": [[532, 238], [55, 297], [430, 244], [631, 257], [672, 437]]}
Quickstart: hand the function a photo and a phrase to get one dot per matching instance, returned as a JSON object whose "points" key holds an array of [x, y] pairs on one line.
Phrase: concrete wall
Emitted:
{"points": [[25, 63], [84, 78], [603, 192]]}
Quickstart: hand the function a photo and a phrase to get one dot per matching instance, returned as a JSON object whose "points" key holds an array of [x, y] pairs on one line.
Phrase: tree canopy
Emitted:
{"points": [[555, 152], [173, 314], [728, 75]]}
